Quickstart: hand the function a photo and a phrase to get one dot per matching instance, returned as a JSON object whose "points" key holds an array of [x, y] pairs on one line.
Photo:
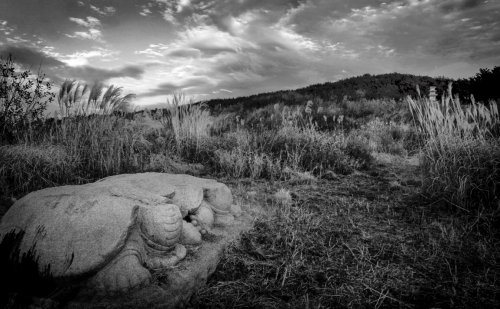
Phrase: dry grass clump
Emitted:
{"points": [[238, 163], [364, 108], [97, 146], [461, 159], [465, 173], [358, 147], [286, 142], [189, 123], [283, 196], [243, 154], [308, 149], [325, 115], [79, 99], [105, 144], [389, 137], [279, 154], [289, 142], [25, 168]]}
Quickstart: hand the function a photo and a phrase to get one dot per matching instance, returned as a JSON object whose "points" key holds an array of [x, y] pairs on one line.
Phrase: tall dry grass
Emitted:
{"points": [[189, 123], [102, 143], [461, 158], [293, 148], [24, 167], [105, 144], [80, 99]]}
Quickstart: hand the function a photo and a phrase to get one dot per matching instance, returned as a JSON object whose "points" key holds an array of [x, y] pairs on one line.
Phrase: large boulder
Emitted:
{"points": [[113, 233]]}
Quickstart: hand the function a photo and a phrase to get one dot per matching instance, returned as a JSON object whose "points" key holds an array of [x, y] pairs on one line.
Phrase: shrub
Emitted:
{"points": [[358, 148], [23, 100]]}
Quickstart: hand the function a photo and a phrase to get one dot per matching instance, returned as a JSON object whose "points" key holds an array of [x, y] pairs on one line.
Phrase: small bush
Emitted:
{"points": [[358, 148], [23, 100], [385, 137]]}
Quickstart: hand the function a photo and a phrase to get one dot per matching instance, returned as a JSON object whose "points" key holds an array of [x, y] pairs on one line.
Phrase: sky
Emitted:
{"points": [[229, 48]]}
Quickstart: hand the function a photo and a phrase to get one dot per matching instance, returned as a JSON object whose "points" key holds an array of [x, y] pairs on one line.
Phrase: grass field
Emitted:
{"points": [[365, 204], [368, 239]]}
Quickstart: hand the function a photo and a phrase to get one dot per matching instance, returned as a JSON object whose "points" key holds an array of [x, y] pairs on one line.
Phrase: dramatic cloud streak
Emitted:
{"points": [[58, 70], [216, 48]]}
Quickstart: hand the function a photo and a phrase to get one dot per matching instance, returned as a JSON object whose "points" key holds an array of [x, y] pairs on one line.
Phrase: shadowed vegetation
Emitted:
{"points": [[23, 275]]}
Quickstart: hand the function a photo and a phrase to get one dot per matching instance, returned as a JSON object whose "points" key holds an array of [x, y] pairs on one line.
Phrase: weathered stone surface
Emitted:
{"points": [[190, 234], [173, 288], [85, 225], [114, 232]]}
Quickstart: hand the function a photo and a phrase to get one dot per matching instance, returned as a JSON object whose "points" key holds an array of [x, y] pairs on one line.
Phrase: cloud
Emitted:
{"points": [[448, 6], [250, 46], [199, 41], [58, 70], [145, 11], [191, 52], [89, 74], [41, 18], [91, 22], [93, 33], [182, 85], [29, 57], [248, 56], [183, 4], [107, 10], [80, 58], [253, 46]]}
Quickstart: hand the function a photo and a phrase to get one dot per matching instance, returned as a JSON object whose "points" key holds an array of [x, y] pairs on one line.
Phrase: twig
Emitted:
{"points": [[386, 296]]}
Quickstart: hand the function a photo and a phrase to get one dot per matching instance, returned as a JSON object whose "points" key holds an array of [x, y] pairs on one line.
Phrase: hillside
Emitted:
{"points": [[385, 86]]}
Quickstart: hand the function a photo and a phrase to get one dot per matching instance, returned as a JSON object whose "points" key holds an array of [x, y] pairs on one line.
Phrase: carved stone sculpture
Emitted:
{"points": [[111, 233]]}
